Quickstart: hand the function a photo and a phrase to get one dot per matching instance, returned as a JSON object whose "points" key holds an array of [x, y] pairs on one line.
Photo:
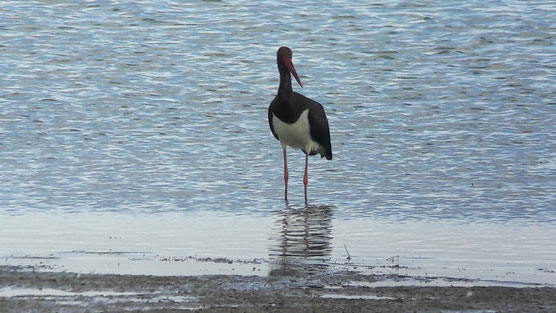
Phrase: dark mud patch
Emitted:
{"points": [[25, 290]]}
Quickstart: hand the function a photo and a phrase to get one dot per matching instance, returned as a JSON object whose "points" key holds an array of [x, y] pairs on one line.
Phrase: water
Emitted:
{"points": [[442, 117]]}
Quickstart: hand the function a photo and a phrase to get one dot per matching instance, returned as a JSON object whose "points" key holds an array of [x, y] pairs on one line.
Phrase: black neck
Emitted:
{"points": [[285, 80]]}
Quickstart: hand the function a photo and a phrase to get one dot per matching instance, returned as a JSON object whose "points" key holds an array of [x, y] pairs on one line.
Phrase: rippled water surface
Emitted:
{"points": [[441, 113]]}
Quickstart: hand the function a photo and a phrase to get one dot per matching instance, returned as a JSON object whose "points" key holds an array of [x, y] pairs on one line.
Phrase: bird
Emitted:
{"points": [[297, 121]]}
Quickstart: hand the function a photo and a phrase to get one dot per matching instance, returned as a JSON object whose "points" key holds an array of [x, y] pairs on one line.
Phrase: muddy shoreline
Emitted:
{"points": [[24, 289]]}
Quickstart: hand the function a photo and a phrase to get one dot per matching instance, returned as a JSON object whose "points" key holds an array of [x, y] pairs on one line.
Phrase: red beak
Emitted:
{"points": [[289, 65]]}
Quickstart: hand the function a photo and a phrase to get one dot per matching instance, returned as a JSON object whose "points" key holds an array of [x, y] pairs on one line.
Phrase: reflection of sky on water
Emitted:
{"points": [[295, 240]]}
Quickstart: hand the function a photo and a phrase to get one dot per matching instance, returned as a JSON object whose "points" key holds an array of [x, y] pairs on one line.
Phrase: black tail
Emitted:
{"points": [[328, 154]]}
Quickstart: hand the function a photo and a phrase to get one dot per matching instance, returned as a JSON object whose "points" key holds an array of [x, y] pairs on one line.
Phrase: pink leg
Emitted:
{"points": [[306, 177], [285, 175]]}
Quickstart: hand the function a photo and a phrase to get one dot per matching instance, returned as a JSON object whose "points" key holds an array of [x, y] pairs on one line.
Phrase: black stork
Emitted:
{"points": [[297, 121]]}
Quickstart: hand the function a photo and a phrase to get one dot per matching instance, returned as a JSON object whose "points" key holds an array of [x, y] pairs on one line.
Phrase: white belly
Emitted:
{"points": [[296, 135]]}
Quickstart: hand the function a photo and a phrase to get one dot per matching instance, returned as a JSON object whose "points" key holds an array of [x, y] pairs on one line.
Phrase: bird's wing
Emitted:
{"points": [[319, 125], [270, 121]]}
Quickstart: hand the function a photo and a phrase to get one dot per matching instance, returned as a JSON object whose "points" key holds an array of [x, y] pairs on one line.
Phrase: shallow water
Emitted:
{"points": [[442, 118], [284, 243]]}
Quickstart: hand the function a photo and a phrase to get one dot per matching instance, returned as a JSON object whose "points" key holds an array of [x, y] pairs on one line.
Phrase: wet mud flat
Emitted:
{"points": [[22, 289]]}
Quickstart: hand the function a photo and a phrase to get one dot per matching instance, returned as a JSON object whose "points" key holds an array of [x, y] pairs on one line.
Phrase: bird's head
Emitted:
{"points": [[284, 56]]}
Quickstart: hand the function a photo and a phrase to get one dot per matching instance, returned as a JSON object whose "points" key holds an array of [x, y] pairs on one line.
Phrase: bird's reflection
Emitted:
{"points": [[301, 240]]}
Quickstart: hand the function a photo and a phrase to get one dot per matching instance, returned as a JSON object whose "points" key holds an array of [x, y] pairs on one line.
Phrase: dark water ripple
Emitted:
{"points": [[436, 111]]}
